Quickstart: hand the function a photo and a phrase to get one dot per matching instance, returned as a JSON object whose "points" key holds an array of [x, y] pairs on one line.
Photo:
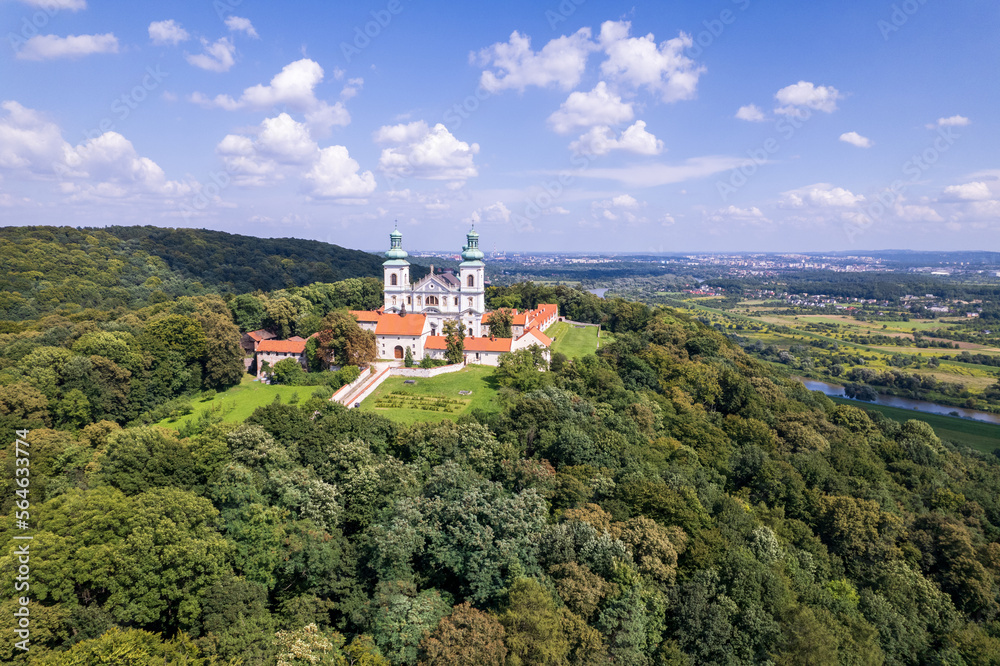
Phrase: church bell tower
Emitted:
{"points": [[396, 271], [472, 272]]}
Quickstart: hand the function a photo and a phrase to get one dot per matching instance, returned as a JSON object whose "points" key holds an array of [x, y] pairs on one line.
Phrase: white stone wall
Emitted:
{"points": [[386, 345], [273, 357]]}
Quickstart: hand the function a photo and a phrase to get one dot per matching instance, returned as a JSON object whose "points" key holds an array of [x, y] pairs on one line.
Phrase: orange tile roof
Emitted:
{"points": [[471, 344], [516, 320], [282, 346], [394, 324], [546, 310], [366, 315], [260, 334], [544, 339]]}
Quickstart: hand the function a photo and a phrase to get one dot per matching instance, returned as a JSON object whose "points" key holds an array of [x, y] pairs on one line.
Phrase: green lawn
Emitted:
{"points": [[975, 434], [440, 393], [575, 342], [238, 403]]}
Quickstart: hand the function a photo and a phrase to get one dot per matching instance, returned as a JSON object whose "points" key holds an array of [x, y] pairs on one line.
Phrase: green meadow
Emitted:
{"points": [[434, 399], [239, 402], [575, 341]]}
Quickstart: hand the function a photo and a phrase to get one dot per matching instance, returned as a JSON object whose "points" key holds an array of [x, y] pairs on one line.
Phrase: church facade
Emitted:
{"points": [[440, 297], [413, 315]]}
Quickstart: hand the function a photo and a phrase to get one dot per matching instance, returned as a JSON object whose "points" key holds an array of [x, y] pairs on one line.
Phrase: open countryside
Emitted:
{"points": [[513, 359]]}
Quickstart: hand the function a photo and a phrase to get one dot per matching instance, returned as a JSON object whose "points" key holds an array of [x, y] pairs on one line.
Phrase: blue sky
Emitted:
{"points": [[725, 125]]}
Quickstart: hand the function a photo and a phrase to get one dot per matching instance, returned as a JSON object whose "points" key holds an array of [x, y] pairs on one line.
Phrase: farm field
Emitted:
{"points": [[815, 343], [239, 402], [406, 403], [981, 436], [575, 341]]}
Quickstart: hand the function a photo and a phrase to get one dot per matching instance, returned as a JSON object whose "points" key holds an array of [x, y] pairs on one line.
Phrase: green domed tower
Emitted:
{"points": [[397, 274], [473, 275]]}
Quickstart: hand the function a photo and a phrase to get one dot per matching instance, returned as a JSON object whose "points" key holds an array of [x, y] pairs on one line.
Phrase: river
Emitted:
{"points": [[903, 403]]}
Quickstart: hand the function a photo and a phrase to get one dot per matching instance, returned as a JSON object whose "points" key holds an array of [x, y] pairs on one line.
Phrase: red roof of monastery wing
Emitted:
{"points": [[282, 346], [366, 315], [261, 334], [471, 344], [394, 324]]}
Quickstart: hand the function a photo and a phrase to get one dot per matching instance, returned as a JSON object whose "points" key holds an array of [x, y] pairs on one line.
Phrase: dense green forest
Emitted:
{"points": [[670, 501], [65, 270]]}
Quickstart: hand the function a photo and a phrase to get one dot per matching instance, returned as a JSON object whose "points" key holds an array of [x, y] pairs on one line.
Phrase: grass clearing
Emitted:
{"points": [[575, 341], [975, 434], [410, 403], [239, 402]]}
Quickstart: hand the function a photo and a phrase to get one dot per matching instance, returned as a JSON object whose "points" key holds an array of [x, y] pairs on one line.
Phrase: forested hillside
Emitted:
{"points": [[239, 264], [66, 270], [670, 501]]}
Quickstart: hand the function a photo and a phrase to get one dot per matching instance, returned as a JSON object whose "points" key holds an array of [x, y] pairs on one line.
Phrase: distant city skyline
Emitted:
{"points": [[573, 126]]}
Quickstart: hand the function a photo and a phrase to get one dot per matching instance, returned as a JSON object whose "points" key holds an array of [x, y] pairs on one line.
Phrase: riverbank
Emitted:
{"points": [[981, 436], [908, 404]]}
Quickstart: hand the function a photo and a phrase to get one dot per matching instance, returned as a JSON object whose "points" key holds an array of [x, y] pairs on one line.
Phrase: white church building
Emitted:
{"points": [[438, 296], [413, 314]]}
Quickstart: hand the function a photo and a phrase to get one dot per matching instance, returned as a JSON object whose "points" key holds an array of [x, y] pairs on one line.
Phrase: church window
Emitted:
{"points": [[470, 302], [432, 300], [393, 280], [456, 300], [472, 280], [409, 300]]}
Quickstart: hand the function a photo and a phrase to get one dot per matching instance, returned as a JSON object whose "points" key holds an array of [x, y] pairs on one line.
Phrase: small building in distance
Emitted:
{"points": [[249, 340], [272, 351]]}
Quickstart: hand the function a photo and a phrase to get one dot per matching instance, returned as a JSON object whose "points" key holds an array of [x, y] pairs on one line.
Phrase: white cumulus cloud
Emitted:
{"points": [[239, 24], [751, 113], [295, 87], [953, 121], [641, 62], [975, 191], [601, 140], [286, 141], [586, 109], [806, 95], [218, 56], [497, 212], [106, 166], [167, 33], [856, 139], [752, 215], [51, 47], [283, 147], [337, 175], [822, 195], [622, 207], [431, 153], [514, 66]]}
